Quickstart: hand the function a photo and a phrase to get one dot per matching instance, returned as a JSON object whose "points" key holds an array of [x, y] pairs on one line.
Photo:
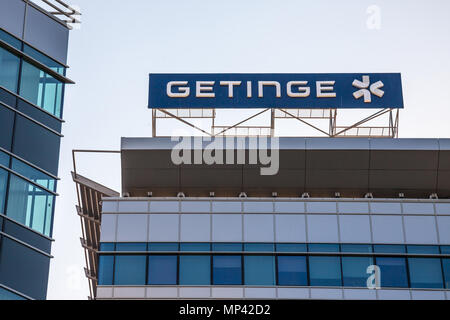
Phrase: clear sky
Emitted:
{"points": [[121, 42]]}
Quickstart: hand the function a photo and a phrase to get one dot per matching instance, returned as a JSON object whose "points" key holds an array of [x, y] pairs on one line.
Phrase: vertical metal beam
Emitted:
{"points": [[272, 122]]}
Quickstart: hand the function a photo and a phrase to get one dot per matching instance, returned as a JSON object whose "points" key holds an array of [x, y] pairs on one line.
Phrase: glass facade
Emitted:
{"points": [[32, 80], [287, 264]]}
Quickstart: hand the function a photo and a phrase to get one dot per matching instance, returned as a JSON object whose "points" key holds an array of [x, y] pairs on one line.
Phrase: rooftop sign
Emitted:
{"points": [[276, 90]]}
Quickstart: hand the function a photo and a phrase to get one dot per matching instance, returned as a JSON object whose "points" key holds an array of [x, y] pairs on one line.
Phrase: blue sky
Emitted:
{"points": [[121, 42]]}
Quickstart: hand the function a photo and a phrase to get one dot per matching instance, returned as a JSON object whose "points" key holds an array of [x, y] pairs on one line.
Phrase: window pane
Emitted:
{"points": [[3, 181], [423, 249], [445, 249], [291, 247], [227, 246], [124, 246], [195, 270], [33, 174], [393, 272], [354, 271], [9, 66], [292, 271], [52, 64], [327, 247], [268, 247], [30, 205], [425, 272], [41, 89], [227, 270], [130, 270], [325, 271], [107, 246], [163, 247], [162, 270], [105, 270], [8, 295], [195, 247], [446, 266], [389, 248], [6, 127], [259, 270], [10, 40], [357, 248]]}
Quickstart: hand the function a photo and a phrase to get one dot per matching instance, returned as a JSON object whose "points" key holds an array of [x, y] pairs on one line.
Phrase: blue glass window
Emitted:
{"points": [[131, 246], [323, 247], [227, 270], [6, 127], [292, 271], [33, 174], [195, 270], [107, 246], [259, 270], [130, 270], [187, 246], [9, 66], [389, 248], [8, 295], [105, 270], [354, 271], [291, 247], [267, 247], [41, 89], [425, 272], [325, 271], [446, 267], [42, 58], [393, 272], [162, 246], [227, 246], [3, 182], [162, 270], [423, 249], [445, 249], [30, 205], [4, 159], [357, 248], [9, 39]]}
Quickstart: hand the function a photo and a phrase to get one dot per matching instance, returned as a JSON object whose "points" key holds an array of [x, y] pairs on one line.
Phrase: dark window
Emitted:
{"points": [[357, 248], [227, 270], [389, 248], [130, 270], [267, 247], [227, 247], [162, 270], [105, 270], [259, 270], [3, 182], [423, 249], [39, 115], [446, 266], [107, 246], [186, 246], [354, 270], [195, 270], [393, 272], [291, 247], [325, 271], [6, 127], [36, 145], [163, 247], [326, 247], [33, 174], [292, 271], [130, 246], [8, 295], [425, 272], [9, 66]]}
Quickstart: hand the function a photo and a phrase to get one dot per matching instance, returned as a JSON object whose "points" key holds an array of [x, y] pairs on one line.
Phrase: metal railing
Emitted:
{"points": [[61, 10]]}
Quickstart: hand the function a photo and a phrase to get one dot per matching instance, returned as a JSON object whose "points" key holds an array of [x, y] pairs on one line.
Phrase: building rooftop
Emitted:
{"points": [[320, 167]]}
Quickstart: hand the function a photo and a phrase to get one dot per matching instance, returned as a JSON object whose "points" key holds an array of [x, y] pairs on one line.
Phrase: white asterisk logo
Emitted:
{"points": [[363, 92]]}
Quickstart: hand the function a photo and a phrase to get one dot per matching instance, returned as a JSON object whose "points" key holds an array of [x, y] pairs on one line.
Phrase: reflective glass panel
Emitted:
{"points": [[195, 270], [425, 272], [227, 270], [292, 271], [325, 271], [393, 272], [130, 270], [259, 270], [9, 66], [162, 270], [354, 271], [291, 247], [105, 270]]}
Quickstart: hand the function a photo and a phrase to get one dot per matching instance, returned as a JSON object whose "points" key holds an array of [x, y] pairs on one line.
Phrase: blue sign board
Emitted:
{"points": [[276, 90]]}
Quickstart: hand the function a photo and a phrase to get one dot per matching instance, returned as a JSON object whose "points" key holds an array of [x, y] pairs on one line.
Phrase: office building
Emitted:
{"points": [[337, 208], [33, 56]]}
